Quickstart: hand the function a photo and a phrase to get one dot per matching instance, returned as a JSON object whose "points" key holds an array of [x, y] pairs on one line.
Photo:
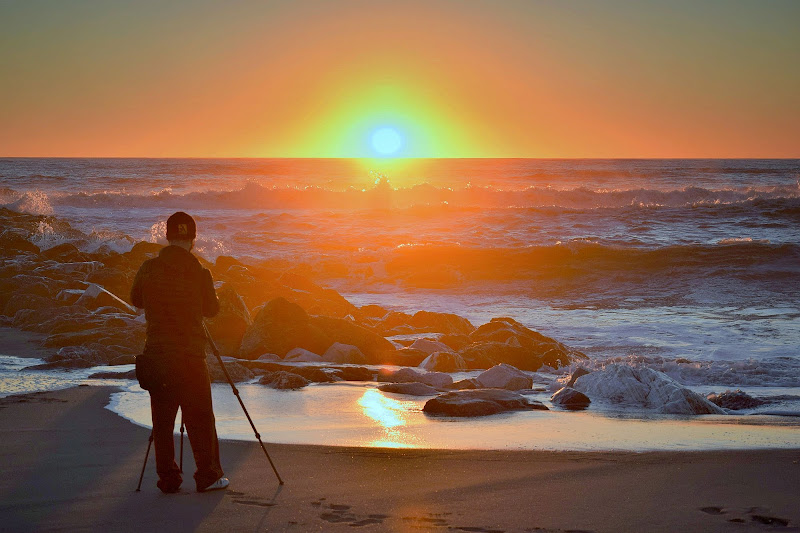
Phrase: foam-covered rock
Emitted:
{"points": [[344, 353], [444, 362], [505, 376], [412, 389], [478, 402], [569, 398], [645, 388]]}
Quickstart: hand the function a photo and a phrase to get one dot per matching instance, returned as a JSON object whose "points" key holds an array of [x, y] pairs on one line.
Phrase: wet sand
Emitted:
{"points": [[69, 464]]}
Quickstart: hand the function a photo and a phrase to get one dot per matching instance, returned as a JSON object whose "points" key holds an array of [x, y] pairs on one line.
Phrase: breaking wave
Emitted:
{"points": [[257, 196]]}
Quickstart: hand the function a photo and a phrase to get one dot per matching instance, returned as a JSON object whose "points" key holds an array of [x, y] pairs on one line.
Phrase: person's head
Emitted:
{"points": [[181, 230]]}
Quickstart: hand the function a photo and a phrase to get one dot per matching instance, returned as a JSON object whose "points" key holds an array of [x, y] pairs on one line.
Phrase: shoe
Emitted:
{"points": [[221, 483]]}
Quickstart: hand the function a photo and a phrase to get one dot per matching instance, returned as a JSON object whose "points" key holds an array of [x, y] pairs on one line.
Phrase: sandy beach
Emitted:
{"points": [[69, 465]]}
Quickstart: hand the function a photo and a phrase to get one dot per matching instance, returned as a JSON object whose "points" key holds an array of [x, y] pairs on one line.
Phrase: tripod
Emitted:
{"points": [[238, 397]]}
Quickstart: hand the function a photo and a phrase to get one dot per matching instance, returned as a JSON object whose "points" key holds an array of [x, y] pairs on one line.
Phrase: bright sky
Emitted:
{"points": [[421, 79]]}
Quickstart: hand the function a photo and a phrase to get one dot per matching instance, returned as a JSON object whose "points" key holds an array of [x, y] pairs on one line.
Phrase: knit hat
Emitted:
{"points": [[181, 227]]}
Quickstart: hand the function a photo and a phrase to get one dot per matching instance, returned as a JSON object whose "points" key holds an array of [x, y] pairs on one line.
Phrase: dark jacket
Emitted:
{"points": [[176, 292]]}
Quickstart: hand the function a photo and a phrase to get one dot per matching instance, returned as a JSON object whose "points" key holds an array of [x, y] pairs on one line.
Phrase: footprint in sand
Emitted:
{"points": [[253, 502]]}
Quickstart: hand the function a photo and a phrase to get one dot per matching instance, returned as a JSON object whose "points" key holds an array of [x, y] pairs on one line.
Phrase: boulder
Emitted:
{"points": [[12, 244], [229, 325], [122, 360], [344, 331], [505, 376], [412, 389], [237, 371], [578, 372], [644, 388], [69, 296], [344, 353], [96, 296], [571, 399], [268, 357], [67, 364], [65, 252], [526, 349], [283, 380], [441, 323], [116, 280], [280, 326], [402, 357], [19, 302], [444, 362], [478, 402], [301, 355], [735, 400], [428, 346], [439, 380], [456, 341], [469, 383], [130, 374]]}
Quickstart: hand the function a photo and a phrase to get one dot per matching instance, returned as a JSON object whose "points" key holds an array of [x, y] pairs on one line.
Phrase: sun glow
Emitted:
{"points": [[387, 142]]}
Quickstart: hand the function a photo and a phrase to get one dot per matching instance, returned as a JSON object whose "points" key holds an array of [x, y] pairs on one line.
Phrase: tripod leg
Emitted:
{"points": [[236, 393], [182, 428], [144, 465]]}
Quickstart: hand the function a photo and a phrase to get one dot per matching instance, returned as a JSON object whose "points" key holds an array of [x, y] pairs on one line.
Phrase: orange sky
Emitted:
{"points": [[459, 79]]}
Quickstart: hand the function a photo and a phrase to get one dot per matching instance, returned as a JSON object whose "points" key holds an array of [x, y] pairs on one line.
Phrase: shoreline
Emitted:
{"points": [[75, 465]]}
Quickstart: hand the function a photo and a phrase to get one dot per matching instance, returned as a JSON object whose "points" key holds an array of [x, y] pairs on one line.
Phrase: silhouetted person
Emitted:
{"points": [[176, 292]]}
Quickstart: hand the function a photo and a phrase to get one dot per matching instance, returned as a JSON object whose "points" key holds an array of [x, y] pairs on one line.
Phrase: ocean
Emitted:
{"points": [[691, 267]]}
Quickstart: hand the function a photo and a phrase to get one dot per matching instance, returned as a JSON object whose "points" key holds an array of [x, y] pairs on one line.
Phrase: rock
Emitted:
{"points": [[479, 402], [12, 244], [116, 280], [571, 399], [408, 375], [130, 374], [283, 380], [228, 327], [444, 362], [69, 296], [344, 331], [578, 372], [412, 389], [455, 341], [470, 383], [428, 346], [280, 326], [68, 364], [268, 357], [505, 376], [300, 355], [344, 353], [122, 360], [26, 301], [645, 388], [402, 357], [525, 349], [96, 296], [237, 371], [441, 323], [735, 400], [65, 253]]}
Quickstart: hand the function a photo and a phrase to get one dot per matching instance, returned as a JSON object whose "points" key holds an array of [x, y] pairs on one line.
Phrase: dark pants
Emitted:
{"points": [[192, 393]]}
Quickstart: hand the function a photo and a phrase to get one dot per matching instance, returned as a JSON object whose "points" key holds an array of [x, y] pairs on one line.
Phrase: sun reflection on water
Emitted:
{"points": [[390, 415]]}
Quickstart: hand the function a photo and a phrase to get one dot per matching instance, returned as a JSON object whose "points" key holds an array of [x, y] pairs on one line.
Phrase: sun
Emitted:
{"points": [[386, 141]]}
